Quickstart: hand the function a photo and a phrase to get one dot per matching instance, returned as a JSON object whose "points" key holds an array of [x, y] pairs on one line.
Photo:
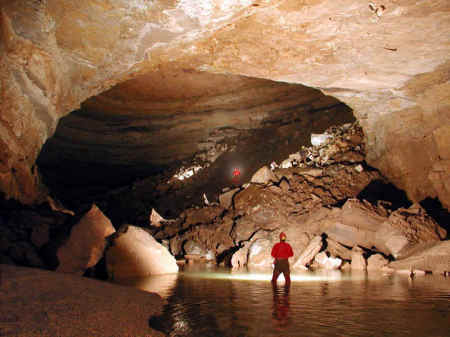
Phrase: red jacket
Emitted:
{"points": [[282, 250]]}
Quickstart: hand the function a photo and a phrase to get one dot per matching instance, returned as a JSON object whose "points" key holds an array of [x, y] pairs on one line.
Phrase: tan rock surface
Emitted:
{"points": [[135, 253], [435, 259], [391, 69], [43, 303], [308, 254], [376, 262], [358, 260], [86, 244]]}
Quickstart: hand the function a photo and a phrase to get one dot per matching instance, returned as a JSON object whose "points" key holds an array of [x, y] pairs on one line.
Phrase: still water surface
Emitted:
{"points": [[211, 302]]}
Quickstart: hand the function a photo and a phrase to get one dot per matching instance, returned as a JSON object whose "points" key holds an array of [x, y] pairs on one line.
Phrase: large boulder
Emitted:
{"points": [[435, 259], [353, 224], [135, 253], [86, 244], [408, 230], [403, 232], [259, 253], [314, 247]]}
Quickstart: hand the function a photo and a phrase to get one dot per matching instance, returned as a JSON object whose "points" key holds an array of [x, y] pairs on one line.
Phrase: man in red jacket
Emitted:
{"points": [[281, 252]]}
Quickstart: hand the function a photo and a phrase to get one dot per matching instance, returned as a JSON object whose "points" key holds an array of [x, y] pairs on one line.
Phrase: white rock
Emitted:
{"points": [[287, 163], [319, 138], [205, 199], [359, 168], [156, 219], [327, 262], [135, 253]]}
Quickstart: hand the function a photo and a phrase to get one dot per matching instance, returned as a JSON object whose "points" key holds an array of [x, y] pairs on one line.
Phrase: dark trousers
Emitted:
{"points": [[281, 266]]}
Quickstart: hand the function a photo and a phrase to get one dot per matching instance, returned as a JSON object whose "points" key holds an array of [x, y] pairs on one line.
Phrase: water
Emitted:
{"points": [[208, 302]]}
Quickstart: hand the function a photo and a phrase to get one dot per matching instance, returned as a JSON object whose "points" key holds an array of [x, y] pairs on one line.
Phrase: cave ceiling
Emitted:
{"points": [[388, 61]]}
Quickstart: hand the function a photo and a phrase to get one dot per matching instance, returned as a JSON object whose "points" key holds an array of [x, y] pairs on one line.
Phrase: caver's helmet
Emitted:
{"points": [[282, 236]]}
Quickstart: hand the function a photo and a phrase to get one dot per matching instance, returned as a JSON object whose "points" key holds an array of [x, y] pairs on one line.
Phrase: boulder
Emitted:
{"points": [[264, 176], [314, 246], [322, 260], [435, 259], [358, 260], [353, 224], [358, 223], [318, 139], [376, 262], [286, 163], [86, 243], [135, 253], [408, 230], [338, 250], [155, 218], [226, 199], [259, 254]]}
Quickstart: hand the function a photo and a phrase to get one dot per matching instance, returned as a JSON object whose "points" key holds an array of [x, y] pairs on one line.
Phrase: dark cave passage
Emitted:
{"points": [[133, 138]]}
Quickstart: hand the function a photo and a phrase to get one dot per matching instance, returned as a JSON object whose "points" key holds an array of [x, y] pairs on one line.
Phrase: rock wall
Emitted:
{"points": [[389, 62]]}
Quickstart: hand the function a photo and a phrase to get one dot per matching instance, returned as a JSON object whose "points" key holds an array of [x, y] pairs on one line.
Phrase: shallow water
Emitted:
{"points": [[207, 302]]}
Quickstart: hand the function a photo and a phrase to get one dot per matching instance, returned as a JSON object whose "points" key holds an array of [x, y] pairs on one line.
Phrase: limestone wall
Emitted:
{"points": [[389, 62]]}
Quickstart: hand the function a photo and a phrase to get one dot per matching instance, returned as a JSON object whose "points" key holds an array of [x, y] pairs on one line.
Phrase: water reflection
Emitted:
{"points": [[220, 302], [161, 284], [280, 314]]}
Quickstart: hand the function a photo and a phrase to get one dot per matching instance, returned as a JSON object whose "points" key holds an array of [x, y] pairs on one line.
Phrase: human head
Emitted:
{"points": [[282, 236]]}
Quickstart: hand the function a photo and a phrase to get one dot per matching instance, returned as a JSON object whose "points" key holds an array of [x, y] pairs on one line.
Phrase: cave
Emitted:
{"points": [[141, 132], [153, 154]]}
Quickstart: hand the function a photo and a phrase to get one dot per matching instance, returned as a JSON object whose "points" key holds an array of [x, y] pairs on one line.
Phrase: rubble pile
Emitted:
{"points": [[311, 197], [337, 144]]}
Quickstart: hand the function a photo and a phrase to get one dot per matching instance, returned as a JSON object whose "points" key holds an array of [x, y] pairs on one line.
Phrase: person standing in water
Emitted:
{"points": [[281, 252]]}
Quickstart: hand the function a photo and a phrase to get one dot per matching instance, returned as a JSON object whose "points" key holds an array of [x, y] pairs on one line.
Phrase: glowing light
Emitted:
{"points": [[329, 275]]}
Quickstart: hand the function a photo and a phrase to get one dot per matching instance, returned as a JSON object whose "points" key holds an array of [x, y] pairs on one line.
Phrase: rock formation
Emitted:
{"points": [[86, 244], [170, 85], [135, 253], [392, 70], [321, 232]]}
